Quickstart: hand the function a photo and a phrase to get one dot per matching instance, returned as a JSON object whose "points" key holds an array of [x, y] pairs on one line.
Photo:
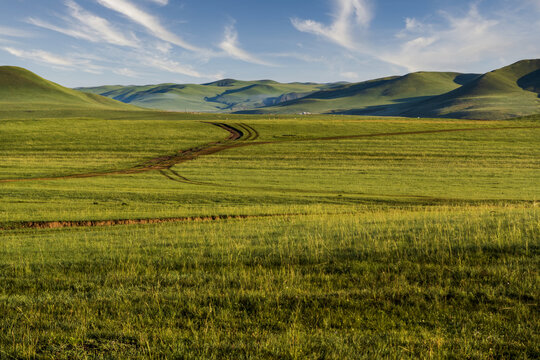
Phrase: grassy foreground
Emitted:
{"points": [[452, 282], [337, 238]]}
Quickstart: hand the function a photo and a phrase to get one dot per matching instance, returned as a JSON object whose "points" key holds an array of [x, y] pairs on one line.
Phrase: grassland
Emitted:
{"points": [[273, 237]]}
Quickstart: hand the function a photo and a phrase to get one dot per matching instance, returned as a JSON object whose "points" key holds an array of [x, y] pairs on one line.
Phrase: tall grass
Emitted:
{"points": [[426, 282]]}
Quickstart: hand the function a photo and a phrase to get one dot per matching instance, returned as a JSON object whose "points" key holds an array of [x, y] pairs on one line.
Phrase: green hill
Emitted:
{"points": [[22, 90], [225, 95], [379, 95], [504, 93]]}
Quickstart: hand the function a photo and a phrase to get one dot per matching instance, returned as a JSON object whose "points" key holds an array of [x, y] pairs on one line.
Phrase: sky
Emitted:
{"points": [[105, 42]]}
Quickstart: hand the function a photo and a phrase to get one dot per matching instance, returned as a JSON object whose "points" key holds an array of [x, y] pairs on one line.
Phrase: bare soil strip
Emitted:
{"points": [[237, 138], [344, 137], [118, 222]]}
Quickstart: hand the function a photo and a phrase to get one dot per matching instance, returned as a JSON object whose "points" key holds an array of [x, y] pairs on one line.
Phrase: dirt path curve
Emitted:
{"points": [[240, 135], [162, 163], [252, 135]]}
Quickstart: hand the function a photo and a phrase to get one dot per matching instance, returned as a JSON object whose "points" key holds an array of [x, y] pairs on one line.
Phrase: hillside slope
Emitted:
{"points": [[384, 96], [508, 92], [225, 95], [21, 89]]}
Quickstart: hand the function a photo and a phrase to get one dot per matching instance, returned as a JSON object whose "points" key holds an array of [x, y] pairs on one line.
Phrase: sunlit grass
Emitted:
{"points": [[398, 246]]}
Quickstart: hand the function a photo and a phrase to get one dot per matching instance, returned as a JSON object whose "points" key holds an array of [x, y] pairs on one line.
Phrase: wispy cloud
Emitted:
{"points": [[87, 26], [172, 66], [126, 72], [12, 32], [452, 42], [39, 55], [299, 56], [462, 41], [231, 46], [350, 75], [55, 60], [348, 16], [160, 2], [150, 22]]}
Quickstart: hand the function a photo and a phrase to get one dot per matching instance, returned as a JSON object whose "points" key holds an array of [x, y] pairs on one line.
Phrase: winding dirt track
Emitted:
{"points": [[161, 163], [240, 135]]}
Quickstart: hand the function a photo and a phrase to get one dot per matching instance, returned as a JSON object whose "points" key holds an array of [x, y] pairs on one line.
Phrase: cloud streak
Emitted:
{"points": [[230, 45], [348, 16], [160, 2], [12, 32], [460, 42], [453, 42], [40, 55], [55, 60], [149, 22], [87, 26]]}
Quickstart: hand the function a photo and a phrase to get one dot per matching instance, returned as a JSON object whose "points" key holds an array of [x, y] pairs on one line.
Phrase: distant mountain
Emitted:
{"points": [[227, 95], [21, 89], [508, 92]]}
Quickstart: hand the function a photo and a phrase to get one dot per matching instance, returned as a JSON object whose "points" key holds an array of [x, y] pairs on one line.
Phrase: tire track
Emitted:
{"points": [[159, 163], [253, 134], [117, 222], [240, 135]]}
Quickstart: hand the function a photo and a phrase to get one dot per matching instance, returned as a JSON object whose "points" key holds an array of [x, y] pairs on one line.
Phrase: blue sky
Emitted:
{"points": [[97, 42]]}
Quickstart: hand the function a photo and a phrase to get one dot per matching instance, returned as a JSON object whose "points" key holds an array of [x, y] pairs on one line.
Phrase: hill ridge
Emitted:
{"points": [[23, 89], [507, 92]]}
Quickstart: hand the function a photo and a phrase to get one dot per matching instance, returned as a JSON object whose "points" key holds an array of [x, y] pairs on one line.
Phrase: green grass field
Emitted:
{"points": [[161, 235]]}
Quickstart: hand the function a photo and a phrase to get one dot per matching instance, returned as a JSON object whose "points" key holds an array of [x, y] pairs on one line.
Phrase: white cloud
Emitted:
{"points": [[350, 75], [349, 15], [174, 67], [126, 72], [231, 47], [164, 47], [148, 21], [161, 2], [464, 40], [101, 27], [87, 26], [451, 42], [40, 55], [79, 62], [171, 66], [11, 32], [300, 56]]}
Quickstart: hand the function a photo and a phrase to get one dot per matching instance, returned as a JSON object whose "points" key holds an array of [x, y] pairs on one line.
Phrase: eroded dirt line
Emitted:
{"points": [[118, 222], [344, 137], [252, 134]]}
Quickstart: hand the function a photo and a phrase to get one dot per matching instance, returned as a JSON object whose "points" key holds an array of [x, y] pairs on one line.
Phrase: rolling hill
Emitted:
{"points": [[23, 90], [508, 92], [504, 93], [376, 96], [227, 95]]}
